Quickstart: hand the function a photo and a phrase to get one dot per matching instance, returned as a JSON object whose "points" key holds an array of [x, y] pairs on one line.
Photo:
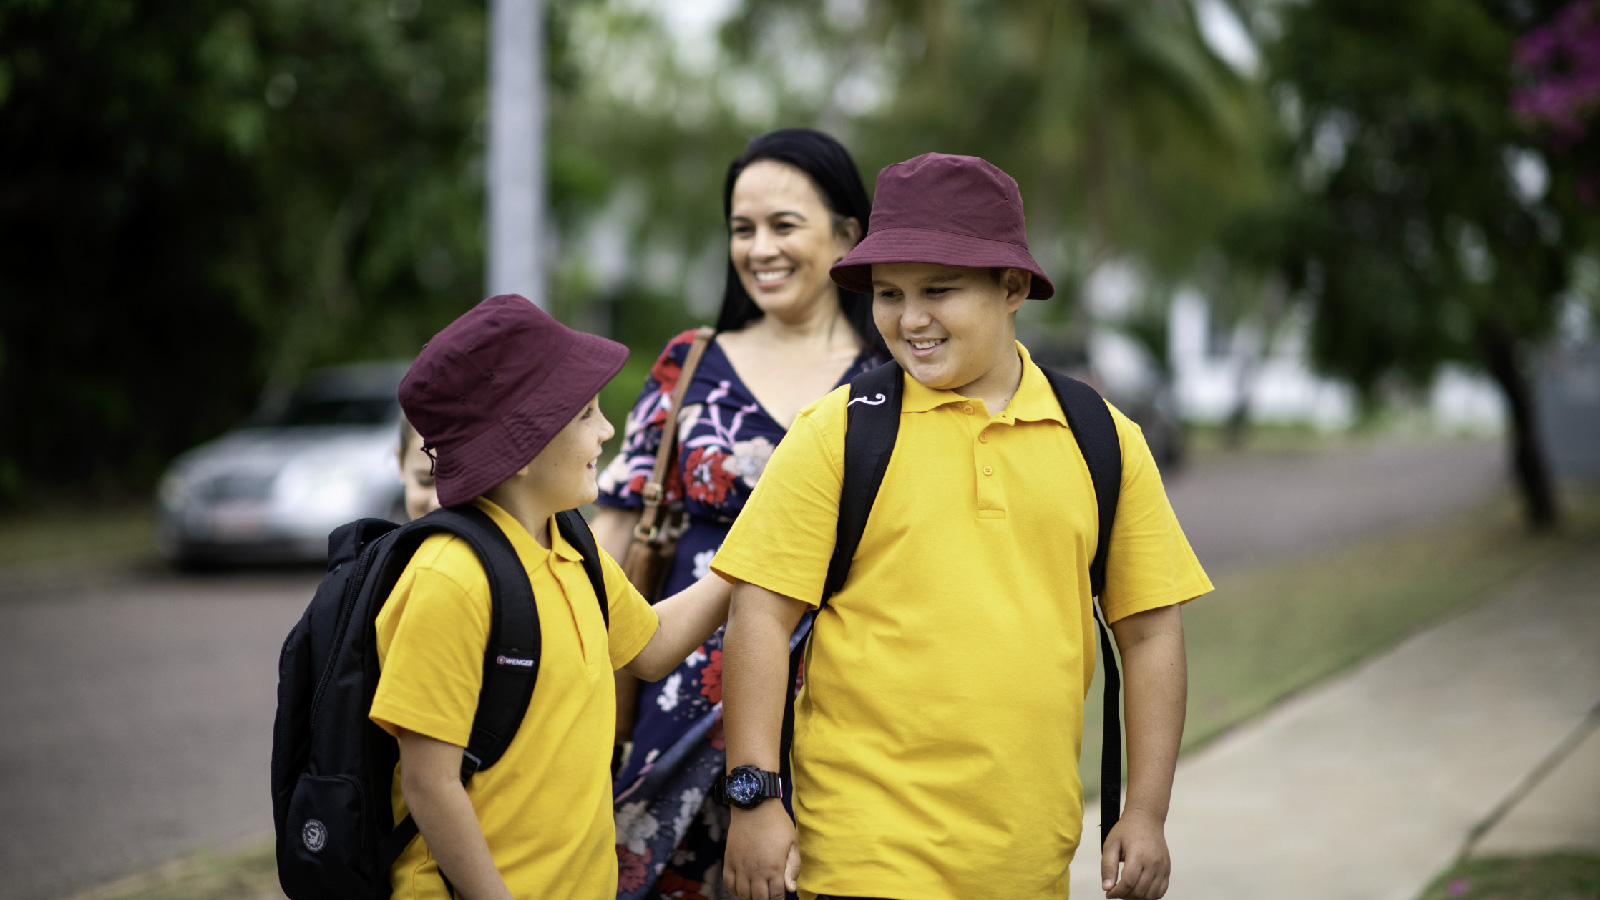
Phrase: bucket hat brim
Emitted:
{"points": [[929, 245], [471, 468]]}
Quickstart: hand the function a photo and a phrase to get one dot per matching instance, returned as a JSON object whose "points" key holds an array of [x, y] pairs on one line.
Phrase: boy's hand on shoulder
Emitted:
{"points": [[763, 855], [1138, 844]]}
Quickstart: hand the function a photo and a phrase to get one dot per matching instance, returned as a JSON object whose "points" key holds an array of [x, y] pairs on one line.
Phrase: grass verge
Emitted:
{"points": [[117, 534], [1557, 876], [1268, 632], [246, 874]]}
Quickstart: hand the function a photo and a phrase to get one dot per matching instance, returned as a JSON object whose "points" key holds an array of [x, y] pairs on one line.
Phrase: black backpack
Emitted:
{"points": [[331, 766], [873, 426]]}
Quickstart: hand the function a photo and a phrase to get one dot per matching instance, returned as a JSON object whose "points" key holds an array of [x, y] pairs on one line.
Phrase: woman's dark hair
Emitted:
{"points": [[830, 168]]}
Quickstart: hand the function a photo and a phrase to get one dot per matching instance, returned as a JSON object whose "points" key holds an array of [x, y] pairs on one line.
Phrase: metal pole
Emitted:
{"points": [[516, 149]]}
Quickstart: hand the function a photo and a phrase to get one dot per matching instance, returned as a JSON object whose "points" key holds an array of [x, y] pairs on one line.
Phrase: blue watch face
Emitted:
{"points": [[743, 787]]}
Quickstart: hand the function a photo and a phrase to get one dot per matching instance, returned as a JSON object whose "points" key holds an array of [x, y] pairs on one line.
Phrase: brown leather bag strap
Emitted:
{"points": [[648, 530]]}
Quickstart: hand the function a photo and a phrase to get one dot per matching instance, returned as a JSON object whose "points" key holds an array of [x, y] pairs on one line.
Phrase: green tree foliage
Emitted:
{"points": [[641, 139], [1420, 232], [202, 198], [1130, 138], [199, 197]]}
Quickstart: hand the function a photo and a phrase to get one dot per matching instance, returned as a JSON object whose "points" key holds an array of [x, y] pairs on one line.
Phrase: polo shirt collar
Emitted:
{"points": [[559, 545], [1033, 402], [522, 541]]}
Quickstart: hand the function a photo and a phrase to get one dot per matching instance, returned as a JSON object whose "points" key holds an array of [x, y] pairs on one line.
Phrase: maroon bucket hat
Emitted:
{"points": [[949, 210], [491, 390]]}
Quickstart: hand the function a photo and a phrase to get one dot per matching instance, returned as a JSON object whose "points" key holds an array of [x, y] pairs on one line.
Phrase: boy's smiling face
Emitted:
{"points": [[563, 474], [949, 327]]}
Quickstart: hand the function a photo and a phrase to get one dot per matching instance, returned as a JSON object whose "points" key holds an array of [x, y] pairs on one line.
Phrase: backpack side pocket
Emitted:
{"points": [[328, 854]]}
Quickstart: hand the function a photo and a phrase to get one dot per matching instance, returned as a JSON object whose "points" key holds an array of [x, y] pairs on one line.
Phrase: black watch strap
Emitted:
{"points": [[771, 785]]}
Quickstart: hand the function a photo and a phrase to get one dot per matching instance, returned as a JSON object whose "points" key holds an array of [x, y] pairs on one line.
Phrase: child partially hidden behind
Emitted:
{"points": [[416, 473]]}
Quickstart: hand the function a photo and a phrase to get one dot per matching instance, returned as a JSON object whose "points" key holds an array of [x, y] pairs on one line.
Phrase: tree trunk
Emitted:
{"points": [[1528, 460]]}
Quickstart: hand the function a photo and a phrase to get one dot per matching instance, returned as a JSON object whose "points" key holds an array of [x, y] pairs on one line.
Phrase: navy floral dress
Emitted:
{"points": [[670, 834]]}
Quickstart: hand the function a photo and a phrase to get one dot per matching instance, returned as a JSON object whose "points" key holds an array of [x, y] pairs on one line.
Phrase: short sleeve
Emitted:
{"points": [[623, 479], [431, 637], [633, 621], [784, 538], [1150, 563]]}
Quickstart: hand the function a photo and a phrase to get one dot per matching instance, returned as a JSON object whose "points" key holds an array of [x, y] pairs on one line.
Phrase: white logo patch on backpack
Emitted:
{"points": [[314, 835]]}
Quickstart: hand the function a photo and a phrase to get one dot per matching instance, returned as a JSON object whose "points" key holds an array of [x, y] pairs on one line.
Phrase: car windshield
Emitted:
{"points": [[324, 410]]}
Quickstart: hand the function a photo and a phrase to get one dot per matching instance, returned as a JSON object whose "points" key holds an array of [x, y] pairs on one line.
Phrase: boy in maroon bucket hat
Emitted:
{"points": [[936, 740], [506, 401]]}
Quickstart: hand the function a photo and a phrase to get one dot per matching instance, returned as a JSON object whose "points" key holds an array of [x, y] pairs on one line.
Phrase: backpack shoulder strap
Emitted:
{"points": [[511, 657], [1096, 434], [873, 416], [576, 531], [872, 425]]}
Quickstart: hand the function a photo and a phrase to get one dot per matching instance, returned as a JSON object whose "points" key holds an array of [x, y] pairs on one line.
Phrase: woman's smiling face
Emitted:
{"points": [[783, 239]]}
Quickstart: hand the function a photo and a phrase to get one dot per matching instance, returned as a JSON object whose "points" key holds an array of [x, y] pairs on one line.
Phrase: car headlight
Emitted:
{"points": [[322, 486]]}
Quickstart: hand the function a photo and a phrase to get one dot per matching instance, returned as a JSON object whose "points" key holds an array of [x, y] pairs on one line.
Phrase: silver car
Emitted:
{"points": [[272, 489]]}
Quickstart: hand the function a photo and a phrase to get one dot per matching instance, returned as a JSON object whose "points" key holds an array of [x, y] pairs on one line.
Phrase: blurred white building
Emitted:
{"points": [[1213, 366]]}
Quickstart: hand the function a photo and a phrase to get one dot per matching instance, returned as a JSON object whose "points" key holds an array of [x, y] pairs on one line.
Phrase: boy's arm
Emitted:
{"points": [[763, 854], [613, 531], [688, 618], [430, 778], [1155, 685]]}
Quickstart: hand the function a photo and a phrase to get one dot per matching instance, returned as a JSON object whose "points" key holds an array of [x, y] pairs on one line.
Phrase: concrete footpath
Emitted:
{"points": [[1476, 737]]}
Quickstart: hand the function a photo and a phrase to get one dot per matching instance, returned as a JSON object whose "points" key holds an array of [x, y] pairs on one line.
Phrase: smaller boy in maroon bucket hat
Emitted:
{"points": [[506, 400], [937, 736]]}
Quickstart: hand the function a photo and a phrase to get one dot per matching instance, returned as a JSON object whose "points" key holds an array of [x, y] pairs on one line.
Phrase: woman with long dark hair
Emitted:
{"points": [[786, 335]]}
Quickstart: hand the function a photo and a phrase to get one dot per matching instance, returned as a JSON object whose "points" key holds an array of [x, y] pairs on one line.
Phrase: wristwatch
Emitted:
{"points": [[747, 787]]}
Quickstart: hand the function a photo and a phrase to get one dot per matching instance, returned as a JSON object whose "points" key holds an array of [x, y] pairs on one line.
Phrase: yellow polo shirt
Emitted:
{"points": [[545, 808], [937, 736]]}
